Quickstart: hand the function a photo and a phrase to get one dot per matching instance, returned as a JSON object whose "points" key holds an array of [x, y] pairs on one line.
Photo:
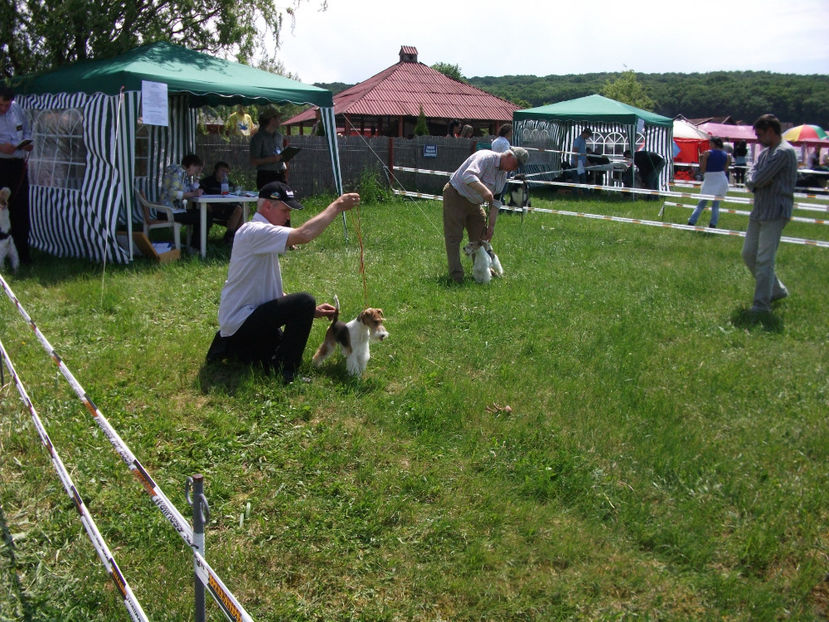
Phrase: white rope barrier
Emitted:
{"points": [[637, 221], [814, 221], [223, 597], [104, 554], [810, 207]]}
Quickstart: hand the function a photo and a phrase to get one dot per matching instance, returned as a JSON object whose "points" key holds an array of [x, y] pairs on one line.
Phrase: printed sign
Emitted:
{"points": [[430, 151], [154, 109]]}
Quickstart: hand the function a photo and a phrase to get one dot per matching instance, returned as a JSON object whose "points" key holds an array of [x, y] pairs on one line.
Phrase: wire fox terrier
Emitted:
{"points": [[353, 338], [485, 263]]}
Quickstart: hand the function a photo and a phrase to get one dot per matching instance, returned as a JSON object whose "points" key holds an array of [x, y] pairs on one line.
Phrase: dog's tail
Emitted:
{"points": [[336, 315]]}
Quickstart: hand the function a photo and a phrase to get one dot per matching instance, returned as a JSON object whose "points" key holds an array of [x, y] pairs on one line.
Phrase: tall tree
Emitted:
{"points": [[38, 35], [628, 90]]}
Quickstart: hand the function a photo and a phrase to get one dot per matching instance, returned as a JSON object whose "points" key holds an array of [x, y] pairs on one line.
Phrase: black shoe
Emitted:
{"points": [[710, 226]]}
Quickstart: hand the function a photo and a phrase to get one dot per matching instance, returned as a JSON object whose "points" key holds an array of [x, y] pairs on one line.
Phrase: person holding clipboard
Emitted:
{"points": [[266, 150], [269, 151], [15, 146]]}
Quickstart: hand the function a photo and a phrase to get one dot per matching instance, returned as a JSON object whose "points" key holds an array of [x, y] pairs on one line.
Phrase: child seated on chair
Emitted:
{"points": [[227, 214]]}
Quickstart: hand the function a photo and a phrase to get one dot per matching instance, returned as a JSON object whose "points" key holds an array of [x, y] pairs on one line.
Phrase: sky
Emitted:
{"points": [[354, 39]]}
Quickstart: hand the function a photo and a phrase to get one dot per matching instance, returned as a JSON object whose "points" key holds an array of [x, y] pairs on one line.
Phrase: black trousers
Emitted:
{"points": [[15, 177], [192, 217], [275, 334]]}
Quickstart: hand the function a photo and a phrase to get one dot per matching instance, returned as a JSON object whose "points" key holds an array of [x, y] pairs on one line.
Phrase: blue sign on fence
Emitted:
{"points": [[430, 151]]}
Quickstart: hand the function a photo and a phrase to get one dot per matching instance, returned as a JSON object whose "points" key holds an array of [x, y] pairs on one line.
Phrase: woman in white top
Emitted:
{"points": [[501, 143]]}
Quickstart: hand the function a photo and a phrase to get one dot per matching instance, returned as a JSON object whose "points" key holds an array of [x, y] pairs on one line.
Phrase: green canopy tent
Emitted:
{"points": [[92, 149], [616, 127]]}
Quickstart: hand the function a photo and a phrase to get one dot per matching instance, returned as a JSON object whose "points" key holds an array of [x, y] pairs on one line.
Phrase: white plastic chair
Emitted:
{"points": [[151, 223]]}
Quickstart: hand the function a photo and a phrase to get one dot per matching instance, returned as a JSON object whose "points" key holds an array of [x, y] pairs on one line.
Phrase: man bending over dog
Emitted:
{"points": [[258, 322], [479, 178]]}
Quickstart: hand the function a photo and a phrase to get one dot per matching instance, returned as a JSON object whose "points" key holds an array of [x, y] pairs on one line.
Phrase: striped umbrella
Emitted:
{"points": [[804, 132]]}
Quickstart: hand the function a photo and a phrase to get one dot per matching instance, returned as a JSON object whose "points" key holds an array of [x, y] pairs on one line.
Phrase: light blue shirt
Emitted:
{"points": [[14, 127], [580, 147]]}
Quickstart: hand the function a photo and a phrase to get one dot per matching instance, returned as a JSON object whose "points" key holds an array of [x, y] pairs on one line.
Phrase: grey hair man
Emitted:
{"points": [[478, 180]]}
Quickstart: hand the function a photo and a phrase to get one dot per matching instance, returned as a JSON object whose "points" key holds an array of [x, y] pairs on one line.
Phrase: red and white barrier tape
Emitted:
{"points": [[811, 207], [223, 597], [637, 221], [814, 221], [104, 554]]}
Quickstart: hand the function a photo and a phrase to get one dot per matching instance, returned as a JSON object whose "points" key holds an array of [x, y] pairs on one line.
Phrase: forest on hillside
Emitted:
{"points": [[743, 95]]}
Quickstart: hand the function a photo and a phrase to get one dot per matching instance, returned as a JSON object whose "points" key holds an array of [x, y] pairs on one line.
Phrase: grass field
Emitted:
{"points": [[605, 433]]}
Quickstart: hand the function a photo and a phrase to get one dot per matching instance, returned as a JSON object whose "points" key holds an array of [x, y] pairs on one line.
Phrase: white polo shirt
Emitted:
{"points": [[253, 275]]}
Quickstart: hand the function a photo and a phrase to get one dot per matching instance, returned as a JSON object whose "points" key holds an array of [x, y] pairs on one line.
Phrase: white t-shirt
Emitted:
{"points": [[253, 275], [500, 144]]}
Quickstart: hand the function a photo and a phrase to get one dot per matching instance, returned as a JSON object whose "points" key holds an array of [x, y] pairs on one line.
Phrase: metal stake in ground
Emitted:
{"points": [[194, 493]]}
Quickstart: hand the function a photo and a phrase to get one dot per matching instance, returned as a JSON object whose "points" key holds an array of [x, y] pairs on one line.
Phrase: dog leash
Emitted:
{"points": [[358, 229]]}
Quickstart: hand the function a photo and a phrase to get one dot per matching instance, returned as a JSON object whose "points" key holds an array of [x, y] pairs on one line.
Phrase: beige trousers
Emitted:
{"points": [[460, 214]]}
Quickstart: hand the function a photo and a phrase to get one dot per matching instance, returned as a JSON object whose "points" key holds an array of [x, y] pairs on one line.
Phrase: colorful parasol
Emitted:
{"points": [[804, 132]]}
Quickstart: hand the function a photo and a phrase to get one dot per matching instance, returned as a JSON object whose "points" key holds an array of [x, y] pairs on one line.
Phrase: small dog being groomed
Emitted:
{"points": [[353, 338], [485, 263], [7, 247]]}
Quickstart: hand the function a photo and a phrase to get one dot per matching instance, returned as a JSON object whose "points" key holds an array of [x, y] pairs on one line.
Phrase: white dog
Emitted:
{"points": [[353, 338], [485, 263], [7, 247]]}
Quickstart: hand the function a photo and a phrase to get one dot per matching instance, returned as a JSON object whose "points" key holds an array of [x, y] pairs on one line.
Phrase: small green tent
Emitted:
{"points": [[616, 126], [85, 120]]}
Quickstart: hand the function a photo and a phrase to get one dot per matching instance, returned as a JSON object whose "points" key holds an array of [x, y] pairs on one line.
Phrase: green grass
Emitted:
{"points": [[663, 455]]}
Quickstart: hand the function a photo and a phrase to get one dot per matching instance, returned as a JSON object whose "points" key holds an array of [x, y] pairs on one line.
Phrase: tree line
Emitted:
{"points": [[743, 95]]}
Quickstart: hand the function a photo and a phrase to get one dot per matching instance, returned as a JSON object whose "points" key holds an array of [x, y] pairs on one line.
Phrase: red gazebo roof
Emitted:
{"points": [[400, 91]]}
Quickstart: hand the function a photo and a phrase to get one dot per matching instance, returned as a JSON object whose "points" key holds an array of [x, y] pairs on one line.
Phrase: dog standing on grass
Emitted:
{"points": [[485, 263], [353, 338], [7, 247]]}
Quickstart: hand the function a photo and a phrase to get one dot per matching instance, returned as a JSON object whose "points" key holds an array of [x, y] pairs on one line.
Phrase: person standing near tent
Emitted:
{"points": [[477, 181], [501, 144], [266, 148], [580, 149], [740, 161], [714, 165], [239, 123], [772, 181], [15, 146], [259, 322]]}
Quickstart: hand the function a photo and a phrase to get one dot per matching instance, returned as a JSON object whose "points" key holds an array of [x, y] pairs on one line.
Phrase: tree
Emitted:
{"points": [[421, 128], [450, 71], [39, 35], [628, 90]]}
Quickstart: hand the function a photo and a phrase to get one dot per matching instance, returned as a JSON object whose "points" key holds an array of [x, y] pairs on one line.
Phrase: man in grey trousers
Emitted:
{"points": [[772, 181]]}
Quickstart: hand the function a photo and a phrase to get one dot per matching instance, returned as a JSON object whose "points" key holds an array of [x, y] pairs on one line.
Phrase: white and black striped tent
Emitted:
{"points": [[616, 127], [85, 169]]}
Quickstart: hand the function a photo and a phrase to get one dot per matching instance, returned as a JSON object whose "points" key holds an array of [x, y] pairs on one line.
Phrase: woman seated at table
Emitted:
{"points": [[179, 183], [227, 214]]}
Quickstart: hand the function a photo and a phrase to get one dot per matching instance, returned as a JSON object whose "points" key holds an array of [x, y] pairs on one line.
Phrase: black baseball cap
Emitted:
{"points": [[277, 191]]}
